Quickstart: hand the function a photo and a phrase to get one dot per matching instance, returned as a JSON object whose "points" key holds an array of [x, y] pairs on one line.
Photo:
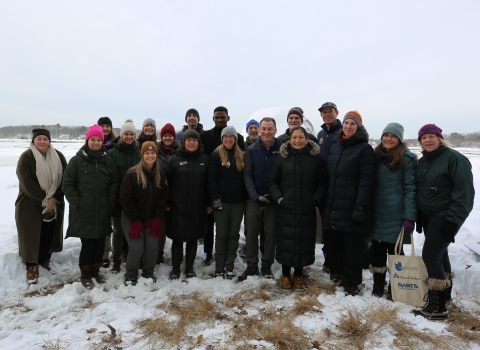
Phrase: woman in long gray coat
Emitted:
{"points": [[394, 203], [90, 184], [40, 205]]}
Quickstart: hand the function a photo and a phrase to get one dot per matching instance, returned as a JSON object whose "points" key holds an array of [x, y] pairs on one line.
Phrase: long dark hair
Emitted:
{"points": [[395, 156]]}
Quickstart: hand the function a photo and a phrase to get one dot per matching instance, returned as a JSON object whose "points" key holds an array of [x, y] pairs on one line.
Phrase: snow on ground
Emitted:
{"points": [[31, 320]]}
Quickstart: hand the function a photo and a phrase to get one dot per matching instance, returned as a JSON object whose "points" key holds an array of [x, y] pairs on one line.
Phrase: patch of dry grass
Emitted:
{"points": [[464, 324], [52, 289], [54, 344], [306, 304], [264, 292]]}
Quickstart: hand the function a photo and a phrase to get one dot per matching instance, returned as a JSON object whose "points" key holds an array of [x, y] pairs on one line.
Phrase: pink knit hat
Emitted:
{"points": [[95, 130]]}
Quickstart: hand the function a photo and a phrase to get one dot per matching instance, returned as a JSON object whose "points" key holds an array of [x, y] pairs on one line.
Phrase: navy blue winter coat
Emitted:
{"points": [[327, 138]]}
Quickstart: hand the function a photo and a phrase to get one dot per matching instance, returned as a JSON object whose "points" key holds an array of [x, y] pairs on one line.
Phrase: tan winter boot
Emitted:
{"points": [[32, 274]]}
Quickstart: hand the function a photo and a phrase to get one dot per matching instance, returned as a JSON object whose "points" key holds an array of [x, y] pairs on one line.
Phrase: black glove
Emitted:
{"points": [[217, 206], [449, 230], [358, 215], [263, 201]]}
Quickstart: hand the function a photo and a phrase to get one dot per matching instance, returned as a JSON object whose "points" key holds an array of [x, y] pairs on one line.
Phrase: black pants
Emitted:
{"points": [[286, 270], [345, 256], [435, 249], [91, 251], [208, 240], [46, 237], [380, 251], [180, 243]]}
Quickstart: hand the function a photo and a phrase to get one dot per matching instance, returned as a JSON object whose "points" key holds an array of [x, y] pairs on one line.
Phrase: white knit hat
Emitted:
{"points": [[128, 126]]}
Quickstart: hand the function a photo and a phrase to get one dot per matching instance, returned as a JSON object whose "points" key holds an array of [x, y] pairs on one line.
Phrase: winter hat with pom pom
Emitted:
{"points": [[128, 126]]}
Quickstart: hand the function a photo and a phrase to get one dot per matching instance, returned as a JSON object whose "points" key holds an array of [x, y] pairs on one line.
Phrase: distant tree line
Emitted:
{"points": [[57, 131]]}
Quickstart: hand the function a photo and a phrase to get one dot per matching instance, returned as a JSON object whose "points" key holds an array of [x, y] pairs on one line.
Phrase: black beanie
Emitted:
{"points": [[105, 120], [38, 132], [194, 111], [296, 112]]}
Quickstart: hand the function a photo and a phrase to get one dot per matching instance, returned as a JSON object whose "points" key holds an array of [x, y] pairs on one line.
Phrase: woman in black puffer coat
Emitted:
{"points": [[348, 214], [297, 184], [188, 201]]}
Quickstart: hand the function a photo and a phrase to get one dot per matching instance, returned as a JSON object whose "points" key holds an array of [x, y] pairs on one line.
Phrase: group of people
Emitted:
{"points": [[189, 183]]}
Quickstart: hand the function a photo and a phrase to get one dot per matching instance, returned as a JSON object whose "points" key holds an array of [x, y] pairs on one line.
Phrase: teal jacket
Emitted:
{"points": [[394, 200], [445, 185]]}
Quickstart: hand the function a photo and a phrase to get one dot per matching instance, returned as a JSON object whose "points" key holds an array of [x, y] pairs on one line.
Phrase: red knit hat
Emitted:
{"points": [[355, 116], [168, 129], [95, 130]]}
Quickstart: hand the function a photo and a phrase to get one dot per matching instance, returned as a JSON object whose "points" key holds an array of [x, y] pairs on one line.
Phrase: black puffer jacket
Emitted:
{"points": [[188, 196], [351, 172], [299, 177], [225, 183], [164, 154]]}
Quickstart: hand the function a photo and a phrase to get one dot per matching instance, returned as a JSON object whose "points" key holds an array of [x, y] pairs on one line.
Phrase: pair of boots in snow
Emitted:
{"points": [[177, 257], [88, 272]]}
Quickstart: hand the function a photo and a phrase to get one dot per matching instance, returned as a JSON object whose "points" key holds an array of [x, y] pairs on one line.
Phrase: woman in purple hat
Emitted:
{"points": [[445, 196]]}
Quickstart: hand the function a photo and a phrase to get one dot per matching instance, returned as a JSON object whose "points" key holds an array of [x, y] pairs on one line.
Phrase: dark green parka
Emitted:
{"points": [[124, 156], [394, 200], [91, 190], [445, 185]]}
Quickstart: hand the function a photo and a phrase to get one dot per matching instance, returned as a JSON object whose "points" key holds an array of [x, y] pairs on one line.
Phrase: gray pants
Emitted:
{"points": [[117, 237], [256, 218], [147, 246], [227, 233]]}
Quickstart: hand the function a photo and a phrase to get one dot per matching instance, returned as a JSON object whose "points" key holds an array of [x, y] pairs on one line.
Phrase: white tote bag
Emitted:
{"points": [[407, 275]]}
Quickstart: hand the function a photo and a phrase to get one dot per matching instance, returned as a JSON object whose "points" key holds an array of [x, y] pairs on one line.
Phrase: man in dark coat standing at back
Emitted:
{"points": [[294, 119], [211, 139], [192, 118]]}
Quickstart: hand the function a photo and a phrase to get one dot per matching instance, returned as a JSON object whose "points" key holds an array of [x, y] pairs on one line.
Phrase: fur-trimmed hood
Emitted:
{"points": [[310, 148]]}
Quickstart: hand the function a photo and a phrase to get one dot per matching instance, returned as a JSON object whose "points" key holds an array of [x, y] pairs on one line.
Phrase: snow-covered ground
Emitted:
{"points": [[50, 313]]}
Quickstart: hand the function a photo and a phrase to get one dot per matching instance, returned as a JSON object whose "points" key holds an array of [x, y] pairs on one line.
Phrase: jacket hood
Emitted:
{"points": [[310, 148]]}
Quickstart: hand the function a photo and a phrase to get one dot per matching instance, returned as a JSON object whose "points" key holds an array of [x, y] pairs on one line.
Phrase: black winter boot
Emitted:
{"points": [[434, 308], [190, 254], [251, 270], [379, 274], [177, 256]]}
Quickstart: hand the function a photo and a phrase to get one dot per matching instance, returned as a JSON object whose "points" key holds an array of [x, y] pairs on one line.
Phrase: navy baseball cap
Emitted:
{"points": [[328, 104]]}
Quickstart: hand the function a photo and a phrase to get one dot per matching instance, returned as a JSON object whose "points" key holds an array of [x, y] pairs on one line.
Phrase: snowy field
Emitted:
{"points": [[59, 313]]}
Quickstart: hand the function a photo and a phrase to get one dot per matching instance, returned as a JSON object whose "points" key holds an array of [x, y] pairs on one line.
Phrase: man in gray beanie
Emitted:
{"points": [[192, 118]]}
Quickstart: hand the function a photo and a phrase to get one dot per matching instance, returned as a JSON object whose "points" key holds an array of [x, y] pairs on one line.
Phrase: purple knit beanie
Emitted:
{"points": [[429, 129]]}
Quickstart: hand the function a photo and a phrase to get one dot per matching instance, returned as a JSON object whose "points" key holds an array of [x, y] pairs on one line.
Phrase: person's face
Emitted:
{"points": [[253, 131], [149, 157], [329, 115], [228, 141], [128, 137], [106, 129], [220, 119], [192, 120], [430, 142], [94, 143], [293, 121], [389, 141], [349, 127], [167, 139], [267, 132], [149, 130], [191, 144], [298, 139], [41, 143]]}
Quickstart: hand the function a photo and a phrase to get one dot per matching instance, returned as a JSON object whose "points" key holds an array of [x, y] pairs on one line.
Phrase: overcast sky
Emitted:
{"points": [[71, 62]]}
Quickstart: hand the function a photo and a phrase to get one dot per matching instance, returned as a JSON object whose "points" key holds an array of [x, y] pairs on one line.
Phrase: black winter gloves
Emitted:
{"points": [[449, 230], [358, 215], [263, 201]]}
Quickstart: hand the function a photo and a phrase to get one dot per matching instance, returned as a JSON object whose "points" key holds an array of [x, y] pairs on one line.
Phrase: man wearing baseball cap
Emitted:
{"points": [[327, 136]]}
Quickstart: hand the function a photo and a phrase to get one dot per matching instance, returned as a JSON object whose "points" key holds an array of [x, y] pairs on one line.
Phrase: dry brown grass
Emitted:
{"points": [[464, 324], [52, 289], [315, 287], [268, 326], [306, 304], [54, 344], [264, 292]]}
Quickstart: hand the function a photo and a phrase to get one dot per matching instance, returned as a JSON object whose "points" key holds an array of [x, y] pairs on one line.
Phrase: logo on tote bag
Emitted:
{"points": [[399, 267]]}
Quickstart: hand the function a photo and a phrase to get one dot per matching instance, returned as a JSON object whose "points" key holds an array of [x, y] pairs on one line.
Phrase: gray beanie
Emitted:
{"points": [[149, 121], [229, 130], [396, 129], [128, 126]]}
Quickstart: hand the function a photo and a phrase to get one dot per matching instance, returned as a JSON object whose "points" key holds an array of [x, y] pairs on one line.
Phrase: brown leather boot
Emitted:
{"points": [[86, 276], [95, 271], [351, 290], [32, 274], [46, 265], [116, 265]]}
